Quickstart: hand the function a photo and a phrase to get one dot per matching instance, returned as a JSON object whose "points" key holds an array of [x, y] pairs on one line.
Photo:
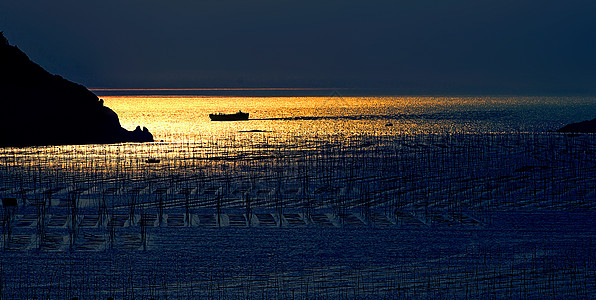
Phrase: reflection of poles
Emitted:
{"points": [[101, 210], [10, 205], [161, 193], [366, 205], [133, 203], [111, 229], [48, 198], [218, 197], [22, 192], [306, 199], [144, 221], [187, 220], [74, 207], [111, 225], [248, 208], [279, 202], [41, 215], [109, 212]]}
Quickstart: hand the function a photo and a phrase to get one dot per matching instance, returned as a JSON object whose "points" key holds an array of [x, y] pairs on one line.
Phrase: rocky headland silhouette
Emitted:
{"points": [[39, 108], [580, 127]]}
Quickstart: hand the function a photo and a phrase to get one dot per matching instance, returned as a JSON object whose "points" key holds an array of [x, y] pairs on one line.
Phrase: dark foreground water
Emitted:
{"points": [[315, 198]]}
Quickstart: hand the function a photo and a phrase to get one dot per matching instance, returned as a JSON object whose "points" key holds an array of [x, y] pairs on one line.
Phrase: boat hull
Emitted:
{"points": [[229, 117]]}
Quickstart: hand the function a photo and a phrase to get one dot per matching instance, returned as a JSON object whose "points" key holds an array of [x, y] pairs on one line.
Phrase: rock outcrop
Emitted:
{"points": [[38, 108], [581, 127]]}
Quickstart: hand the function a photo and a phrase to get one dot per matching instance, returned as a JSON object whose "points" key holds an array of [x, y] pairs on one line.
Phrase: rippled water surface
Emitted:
{"points": [[186, 117], [312, 198]]}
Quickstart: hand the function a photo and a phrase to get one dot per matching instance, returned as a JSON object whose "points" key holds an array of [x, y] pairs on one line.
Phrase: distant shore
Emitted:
{"points": [[308, 92]]}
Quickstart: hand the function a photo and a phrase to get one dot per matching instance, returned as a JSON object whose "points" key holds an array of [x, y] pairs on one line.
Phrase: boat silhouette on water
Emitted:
{"points": [[239, 116]]}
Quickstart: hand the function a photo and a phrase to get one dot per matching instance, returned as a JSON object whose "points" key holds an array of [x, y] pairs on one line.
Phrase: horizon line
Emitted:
{"points": [[213, 89]]}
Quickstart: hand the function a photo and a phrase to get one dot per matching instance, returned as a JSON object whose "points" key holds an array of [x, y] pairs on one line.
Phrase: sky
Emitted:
{"points": [[423, 46]]}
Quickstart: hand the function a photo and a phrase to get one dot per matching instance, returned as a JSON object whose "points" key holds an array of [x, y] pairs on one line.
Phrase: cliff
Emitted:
{"points": [[39, 108]]}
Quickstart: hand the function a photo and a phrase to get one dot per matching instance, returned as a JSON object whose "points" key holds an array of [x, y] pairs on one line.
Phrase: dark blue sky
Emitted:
{"points": [[471, 46]]}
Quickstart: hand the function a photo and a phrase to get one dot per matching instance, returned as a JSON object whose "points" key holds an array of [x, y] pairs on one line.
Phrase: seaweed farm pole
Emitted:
{"points": [[218, 199], [248, 208], [144, 224], [41, 224], [306, 201], [365, 197], [111, 230], [72, 229], [101, 209], [132, 205], [10, 205], [187, 218], [279, 207], [161, 193]]}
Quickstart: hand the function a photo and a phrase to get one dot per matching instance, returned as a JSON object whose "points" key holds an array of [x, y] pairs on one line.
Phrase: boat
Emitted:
{"points": [[229, 117]]}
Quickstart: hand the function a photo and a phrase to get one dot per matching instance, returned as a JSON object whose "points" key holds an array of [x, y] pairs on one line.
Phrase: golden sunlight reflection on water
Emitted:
{"points": [[179, 118], [187, 116]]}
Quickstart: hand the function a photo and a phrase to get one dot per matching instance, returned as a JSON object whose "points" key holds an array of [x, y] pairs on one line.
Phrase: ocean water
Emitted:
{"points": [[313, 197], [185, 117]]}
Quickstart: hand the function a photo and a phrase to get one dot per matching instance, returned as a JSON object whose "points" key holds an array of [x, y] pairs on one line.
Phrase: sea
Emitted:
{"points": [[321, 194], [185, 117]]}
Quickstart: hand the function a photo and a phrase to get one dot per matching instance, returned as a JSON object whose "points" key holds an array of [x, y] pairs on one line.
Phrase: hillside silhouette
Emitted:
{"points": [[580, 127], [39, 108]]}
